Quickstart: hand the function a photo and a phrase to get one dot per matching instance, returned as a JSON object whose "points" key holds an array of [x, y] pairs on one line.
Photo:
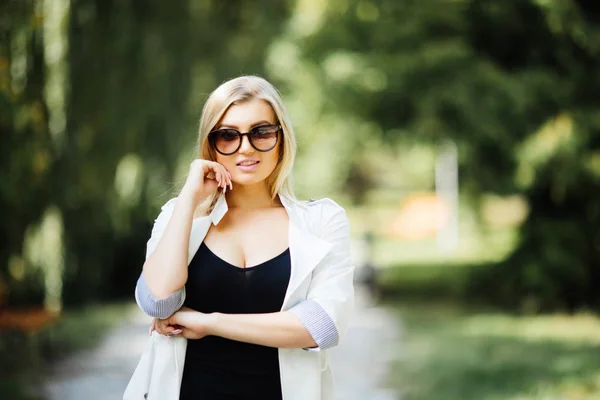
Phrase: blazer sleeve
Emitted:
{"points": [[330, 299], [158, 308]]}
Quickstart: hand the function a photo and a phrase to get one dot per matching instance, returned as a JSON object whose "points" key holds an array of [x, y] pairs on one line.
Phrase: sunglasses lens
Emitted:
{"points": [[264, 137], [226, 140]]}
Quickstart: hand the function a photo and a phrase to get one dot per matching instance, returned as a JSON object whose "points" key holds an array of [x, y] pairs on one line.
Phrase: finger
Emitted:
{"points": [[226, 174], [215, 166], [163, 327], [226, 178], [166, 332], [229, 180], [224, 183], [160, 329], [210, 169], [218, 177], [221, 175]]}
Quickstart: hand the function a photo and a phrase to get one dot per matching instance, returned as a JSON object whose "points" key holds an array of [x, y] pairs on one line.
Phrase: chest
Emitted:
{"points": [[245, 239], [214, 285]]}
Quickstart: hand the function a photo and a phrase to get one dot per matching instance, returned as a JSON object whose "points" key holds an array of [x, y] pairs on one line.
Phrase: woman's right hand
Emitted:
{"points": [[204, 178]]}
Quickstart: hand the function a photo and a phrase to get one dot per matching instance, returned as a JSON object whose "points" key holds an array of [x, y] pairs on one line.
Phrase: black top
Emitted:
{"points": [[218, 368]]}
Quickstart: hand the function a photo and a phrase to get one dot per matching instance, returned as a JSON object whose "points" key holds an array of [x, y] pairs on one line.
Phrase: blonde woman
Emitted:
{"points": [[259, 282]]}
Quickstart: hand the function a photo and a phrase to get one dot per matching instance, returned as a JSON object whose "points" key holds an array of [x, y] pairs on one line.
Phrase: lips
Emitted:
{"points": [[247, 163]]}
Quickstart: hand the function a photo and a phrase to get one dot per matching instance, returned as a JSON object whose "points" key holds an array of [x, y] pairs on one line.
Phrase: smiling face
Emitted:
{"points": [[249, 166]]}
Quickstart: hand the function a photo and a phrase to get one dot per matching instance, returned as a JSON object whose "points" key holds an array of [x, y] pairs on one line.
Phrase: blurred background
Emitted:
{"points": [[462, 136]]}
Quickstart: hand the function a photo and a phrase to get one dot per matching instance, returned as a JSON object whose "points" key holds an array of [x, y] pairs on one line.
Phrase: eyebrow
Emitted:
{"points": [[252, 126]]}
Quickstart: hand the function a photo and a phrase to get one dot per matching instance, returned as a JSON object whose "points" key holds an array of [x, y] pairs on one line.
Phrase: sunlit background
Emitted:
{"points": [[461, 136]]}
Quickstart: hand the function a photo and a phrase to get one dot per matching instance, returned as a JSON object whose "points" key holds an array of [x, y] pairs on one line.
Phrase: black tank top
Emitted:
{"points": [[218, 368]]}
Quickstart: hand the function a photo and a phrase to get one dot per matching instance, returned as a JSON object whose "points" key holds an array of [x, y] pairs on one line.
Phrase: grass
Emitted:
{"points": [[26, 356], [450, 353]]}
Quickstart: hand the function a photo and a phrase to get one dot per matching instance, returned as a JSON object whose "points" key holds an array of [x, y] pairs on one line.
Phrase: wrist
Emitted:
{"points": [[190, 194], [211, 323], [190, 197]]}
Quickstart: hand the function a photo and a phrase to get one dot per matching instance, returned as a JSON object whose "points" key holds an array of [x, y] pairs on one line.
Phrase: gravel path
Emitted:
{"points": [[360, 363]]}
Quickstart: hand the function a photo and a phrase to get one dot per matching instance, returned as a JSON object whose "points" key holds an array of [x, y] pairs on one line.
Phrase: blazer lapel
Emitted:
{"points": [[200, 226], [306, 249], [199, 230]]}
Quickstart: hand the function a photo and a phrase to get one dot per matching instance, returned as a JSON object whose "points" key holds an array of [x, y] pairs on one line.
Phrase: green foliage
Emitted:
{"points": [[129, 80], [512, 84], [556, 265], [448, 353]]}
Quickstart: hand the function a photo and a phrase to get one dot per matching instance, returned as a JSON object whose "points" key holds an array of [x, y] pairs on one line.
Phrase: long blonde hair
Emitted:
{"points": [[239, 90]]}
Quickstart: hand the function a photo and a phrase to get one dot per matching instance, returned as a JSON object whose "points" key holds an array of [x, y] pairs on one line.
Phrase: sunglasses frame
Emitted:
{"points": [[212, 140]]}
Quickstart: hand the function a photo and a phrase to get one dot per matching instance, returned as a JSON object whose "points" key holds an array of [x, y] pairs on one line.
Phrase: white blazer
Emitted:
{"points": [[321, 271]]}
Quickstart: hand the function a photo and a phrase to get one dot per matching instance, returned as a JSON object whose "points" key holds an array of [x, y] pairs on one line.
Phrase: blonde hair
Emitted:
{"points": [[239, 90]]}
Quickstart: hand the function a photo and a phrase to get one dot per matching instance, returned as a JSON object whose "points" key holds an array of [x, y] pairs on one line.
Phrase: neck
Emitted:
{"points": [[250, 197]]}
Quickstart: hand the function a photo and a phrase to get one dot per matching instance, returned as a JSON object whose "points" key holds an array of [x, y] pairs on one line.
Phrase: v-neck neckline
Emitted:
{"points": [[271, 260]]}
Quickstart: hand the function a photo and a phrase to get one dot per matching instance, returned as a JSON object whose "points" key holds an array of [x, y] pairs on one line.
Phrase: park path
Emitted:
{"points": [[360, 363]]}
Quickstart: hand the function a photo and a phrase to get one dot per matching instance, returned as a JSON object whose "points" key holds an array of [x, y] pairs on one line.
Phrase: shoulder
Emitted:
{"points": [[327, 219], [325, 212], [165, 211], [167, 208], [169, 204], [325, 206]]}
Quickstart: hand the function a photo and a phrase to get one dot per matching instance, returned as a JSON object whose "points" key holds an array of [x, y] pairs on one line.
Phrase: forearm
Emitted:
{"points": [[281, 329], [165, 271]]}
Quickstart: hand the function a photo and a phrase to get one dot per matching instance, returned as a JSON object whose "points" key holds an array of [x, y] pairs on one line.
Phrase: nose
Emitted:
{"points": [[246, 147]]}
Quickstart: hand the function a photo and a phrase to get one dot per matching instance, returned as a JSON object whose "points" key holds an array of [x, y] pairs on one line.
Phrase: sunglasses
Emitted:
{"points": [[228, 141]]}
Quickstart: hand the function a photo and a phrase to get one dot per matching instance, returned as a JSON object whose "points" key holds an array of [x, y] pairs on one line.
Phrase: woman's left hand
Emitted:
{"points": [[188, 323], [162, 326]]}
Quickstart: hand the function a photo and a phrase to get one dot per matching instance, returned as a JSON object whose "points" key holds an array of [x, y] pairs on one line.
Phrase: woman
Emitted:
{"points": [[268, 278]]}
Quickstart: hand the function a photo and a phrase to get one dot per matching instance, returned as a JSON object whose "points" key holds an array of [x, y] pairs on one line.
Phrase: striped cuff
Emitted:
{"points": [[317, 322], [162, 308]]}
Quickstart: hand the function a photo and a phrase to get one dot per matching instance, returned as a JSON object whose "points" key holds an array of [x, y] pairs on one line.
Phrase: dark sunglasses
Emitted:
{"points": [[228, 141]]}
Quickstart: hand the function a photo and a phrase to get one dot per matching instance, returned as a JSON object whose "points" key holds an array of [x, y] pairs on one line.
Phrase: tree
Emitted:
{"points": [[100, 103], [513, 83]]}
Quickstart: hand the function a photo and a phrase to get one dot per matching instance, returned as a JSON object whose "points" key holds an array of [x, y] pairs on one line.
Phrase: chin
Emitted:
{"points": [[247, 180]]}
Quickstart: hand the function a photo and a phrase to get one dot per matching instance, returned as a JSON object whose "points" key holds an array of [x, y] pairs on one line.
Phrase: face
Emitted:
{"points": [[248, 166]]}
